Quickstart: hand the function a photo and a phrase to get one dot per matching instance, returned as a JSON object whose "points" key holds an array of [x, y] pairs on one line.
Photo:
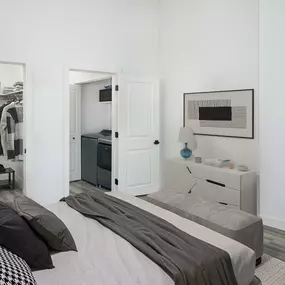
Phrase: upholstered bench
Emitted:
{"points": [[238, 225]]}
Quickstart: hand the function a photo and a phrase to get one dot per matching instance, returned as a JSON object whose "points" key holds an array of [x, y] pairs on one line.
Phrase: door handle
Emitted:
{"points": [[156, 142], [73, 138]]}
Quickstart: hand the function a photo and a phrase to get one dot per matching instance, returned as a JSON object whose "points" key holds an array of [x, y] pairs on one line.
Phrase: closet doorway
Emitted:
{"points": [[90, 139], [12, 147]]}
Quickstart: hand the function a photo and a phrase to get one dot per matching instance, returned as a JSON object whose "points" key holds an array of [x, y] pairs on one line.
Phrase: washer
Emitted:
{"points": [[96, 159]]}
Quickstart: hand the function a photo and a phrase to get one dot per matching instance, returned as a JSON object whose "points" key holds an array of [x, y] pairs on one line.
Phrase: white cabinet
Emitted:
{"points": [[226, 186]]}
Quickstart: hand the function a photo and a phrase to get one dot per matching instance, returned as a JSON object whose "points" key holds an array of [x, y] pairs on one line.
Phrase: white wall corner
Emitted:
{"points": [[273, 223]]}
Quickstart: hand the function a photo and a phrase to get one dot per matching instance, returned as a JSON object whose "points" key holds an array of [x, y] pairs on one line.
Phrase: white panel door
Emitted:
{"points": [[138, 144], [75, 133]]}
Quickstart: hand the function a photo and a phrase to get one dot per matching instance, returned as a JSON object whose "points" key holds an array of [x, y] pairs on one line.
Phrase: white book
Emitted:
{"points": [[217, 162]]}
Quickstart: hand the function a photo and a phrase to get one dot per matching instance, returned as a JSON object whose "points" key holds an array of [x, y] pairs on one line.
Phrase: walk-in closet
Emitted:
{"points": [[11, 126]]}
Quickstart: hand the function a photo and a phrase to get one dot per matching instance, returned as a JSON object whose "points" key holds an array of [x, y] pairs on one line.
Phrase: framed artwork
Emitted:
{"points": [[220, 113]]}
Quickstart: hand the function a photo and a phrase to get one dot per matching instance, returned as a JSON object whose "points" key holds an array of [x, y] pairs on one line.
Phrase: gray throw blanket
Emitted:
{"points": [[186, 259]]}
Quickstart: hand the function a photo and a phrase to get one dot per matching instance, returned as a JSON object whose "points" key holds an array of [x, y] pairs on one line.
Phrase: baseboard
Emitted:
{"points": [[273, 223], [140, 192]]}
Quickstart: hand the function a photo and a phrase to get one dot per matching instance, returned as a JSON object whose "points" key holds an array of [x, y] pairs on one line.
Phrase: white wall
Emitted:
{"points": [[9, 74], [95, 115], [52, 36], [76, 77], [208, 45], [272, 115]]}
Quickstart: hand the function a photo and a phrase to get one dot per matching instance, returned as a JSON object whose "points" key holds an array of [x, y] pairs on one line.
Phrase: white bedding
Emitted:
{"points": [[103, 258]]}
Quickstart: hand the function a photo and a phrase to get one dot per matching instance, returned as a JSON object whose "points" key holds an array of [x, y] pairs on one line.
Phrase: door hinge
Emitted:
{"points": [[116, 181], [116, 135], [117, 88]]}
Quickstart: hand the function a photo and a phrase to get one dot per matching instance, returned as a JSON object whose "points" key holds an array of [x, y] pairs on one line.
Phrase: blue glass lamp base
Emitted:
{"points": [[186, 153]]}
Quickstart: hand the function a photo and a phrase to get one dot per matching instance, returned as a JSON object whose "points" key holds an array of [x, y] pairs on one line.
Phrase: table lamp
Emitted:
{"points": [[187, 137]]}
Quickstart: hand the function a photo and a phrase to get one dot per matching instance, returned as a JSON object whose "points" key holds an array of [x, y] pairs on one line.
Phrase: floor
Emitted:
{"points": [[274, 242], [82, 186]]}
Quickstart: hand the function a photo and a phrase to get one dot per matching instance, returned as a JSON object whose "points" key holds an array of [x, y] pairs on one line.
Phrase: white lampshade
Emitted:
{"points": [[186, 135]]}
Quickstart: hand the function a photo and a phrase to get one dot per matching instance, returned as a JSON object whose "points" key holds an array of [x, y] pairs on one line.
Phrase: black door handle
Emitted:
{"points": [[156, 142]]}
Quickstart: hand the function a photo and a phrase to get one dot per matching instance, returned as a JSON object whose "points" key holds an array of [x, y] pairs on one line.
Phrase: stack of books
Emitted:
{"points": [[217, 162]]}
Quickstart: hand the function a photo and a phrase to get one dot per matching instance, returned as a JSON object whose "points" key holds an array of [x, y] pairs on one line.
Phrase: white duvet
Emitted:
{"points": [[103, 258]]}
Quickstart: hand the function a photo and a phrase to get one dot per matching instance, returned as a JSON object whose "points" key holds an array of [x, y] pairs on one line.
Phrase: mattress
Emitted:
{"points": [[104, 258]]}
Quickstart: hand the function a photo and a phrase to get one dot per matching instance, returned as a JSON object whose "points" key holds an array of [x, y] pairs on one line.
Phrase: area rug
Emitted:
{"points": [[271, 271]]}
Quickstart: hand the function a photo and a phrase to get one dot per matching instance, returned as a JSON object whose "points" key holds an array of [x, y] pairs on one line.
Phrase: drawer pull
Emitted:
{"points": [[222, 203], [216, 183], [190, 191], [189, 169]]}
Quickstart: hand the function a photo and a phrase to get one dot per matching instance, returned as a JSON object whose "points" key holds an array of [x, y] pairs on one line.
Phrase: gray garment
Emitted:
{"points": [[186, 259], [236, 224]]}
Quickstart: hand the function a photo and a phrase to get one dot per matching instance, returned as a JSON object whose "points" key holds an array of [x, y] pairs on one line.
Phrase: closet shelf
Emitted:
{"points": [[11, 93]]}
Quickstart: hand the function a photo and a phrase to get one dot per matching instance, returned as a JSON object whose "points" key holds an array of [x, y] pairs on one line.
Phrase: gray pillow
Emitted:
{"points": [[46, 224], [17, 237]]}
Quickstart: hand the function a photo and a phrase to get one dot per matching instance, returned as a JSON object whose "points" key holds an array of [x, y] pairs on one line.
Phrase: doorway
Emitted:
{"points": [[135, 135], [12, 143], [90, 129]]}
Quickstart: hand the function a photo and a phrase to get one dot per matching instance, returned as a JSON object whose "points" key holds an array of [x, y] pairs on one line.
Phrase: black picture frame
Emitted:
{"points": [[223, 91]]}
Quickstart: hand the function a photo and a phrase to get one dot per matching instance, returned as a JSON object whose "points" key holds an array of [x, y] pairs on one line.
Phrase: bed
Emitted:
{"points": [[104, 258]]}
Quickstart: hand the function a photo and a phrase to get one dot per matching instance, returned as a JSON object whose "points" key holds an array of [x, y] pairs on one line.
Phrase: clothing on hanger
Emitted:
{"points": [[3, 127], [1, 110], [11, 130], [15, 132]]}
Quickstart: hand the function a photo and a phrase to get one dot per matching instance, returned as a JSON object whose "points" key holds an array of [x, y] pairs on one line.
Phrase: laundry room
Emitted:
{"points": [[90, 131]]}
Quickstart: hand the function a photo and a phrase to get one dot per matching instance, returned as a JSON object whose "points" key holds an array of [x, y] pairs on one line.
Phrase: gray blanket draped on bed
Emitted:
{"points": [[186, 259]]}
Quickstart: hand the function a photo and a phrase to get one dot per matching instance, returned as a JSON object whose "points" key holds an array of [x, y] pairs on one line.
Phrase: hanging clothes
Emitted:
{"points": [[3, 127], [15, 132], [11, 131], [1, 110]]}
